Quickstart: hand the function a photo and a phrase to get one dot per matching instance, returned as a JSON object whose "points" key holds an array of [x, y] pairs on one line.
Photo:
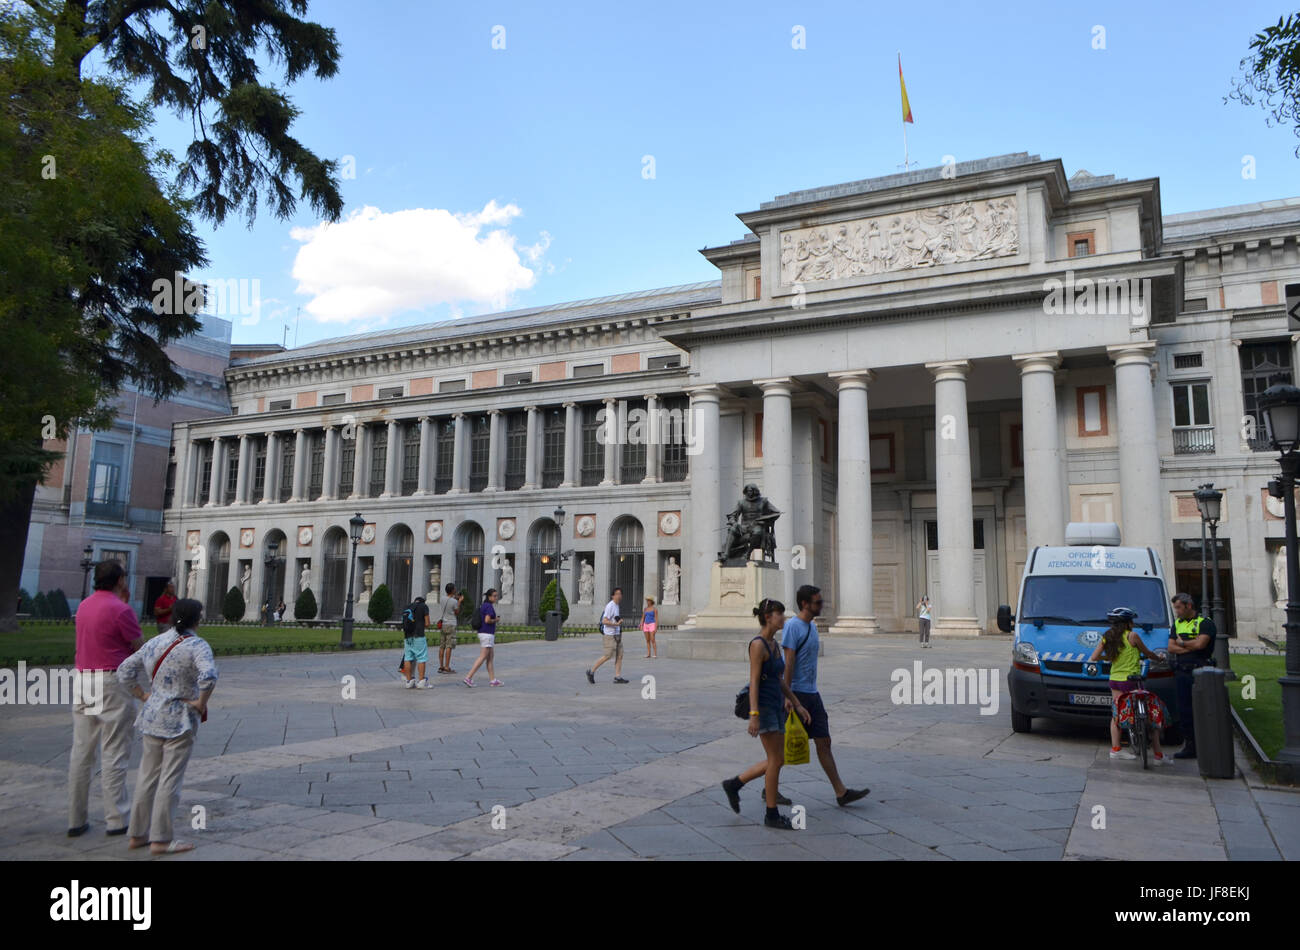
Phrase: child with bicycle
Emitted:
{"points": [[1122, 647]]}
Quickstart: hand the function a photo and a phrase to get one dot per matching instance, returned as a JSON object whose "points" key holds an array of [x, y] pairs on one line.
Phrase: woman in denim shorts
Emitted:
{"points": [[767, 690]]}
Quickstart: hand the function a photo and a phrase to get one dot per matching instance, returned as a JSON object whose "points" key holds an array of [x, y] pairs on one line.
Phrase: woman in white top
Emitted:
{"points": [[923, 614]]}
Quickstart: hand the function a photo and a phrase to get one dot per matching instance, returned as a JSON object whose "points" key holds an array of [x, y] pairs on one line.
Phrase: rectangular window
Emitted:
{"points": [[826, 440], [378, 459], [663, 362], [1187, 361], [334, 399], [446, 429], [288, 451], [205, 472], [593, 453], [316, 470], [590, 369], [633, 461], [390, 392], [516, 449], [1079, 244], [451, 386], [347, 465], [882, 454], [553, 444], [275, 405], [259, 469], [410, 458], [676, 410], [1193, 430], [1091, 409], [518, 379], [1263, 364], [232, 471], [480, 447], [932, 535], [104, 499]]}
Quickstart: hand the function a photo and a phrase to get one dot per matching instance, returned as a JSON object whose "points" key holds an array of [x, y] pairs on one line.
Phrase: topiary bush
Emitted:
{"points": [[40, 607], [304, 607], [548, 603], [380, 607], [58, 602], [466, 612], [232, 608]]}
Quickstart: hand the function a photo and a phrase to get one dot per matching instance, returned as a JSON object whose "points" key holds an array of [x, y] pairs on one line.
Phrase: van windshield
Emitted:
{"points": [[1082, 600]]}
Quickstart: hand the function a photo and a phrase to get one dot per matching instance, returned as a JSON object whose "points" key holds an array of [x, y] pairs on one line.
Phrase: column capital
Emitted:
{"points": [[531, 409], [270, 434], [329, 428], [776, 385], [569, 404], [949, 369], [854, 378], [708, 393], [458, 415], [1047, 361], [648, 396], [608, 399], [1139, 351], [494, 412], [299, 430]]}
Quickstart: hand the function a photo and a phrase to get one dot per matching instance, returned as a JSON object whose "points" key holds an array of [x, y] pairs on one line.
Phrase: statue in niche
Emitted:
{"points": [[672, 582]]}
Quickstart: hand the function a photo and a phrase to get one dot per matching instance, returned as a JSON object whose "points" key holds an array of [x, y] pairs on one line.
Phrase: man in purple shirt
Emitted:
{"points": [[107, 633]]}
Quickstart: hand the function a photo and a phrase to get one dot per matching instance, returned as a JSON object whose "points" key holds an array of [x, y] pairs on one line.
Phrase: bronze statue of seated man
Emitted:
{"points": [[749, 526]]}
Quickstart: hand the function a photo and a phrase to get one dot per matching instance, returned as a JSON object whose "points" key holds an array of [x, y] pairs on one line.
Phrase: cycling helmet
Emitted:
{"points": [[1122, 613]]}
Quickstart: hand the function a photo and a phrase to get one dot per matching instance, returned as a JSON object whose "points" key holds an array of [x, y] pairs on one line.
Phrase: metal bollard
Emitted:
{"points": [[1213, 722], [553, 621]]}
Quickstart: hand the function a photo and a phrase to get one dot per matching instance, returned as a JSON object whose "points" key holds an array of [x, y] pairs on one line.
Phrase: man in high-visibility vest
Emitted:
{"points": [[1191, 645]]}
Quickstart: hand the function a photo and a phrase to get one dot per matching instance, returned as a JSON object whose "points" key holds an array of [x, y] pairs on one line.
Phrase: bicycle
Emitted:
{"points": [[1143, 710]]}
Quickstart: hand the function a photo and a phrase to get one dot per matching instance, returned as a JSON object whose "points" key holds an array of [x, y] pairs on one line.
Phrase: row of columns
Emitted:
{"points": [[1044, 472], [428, 458]]}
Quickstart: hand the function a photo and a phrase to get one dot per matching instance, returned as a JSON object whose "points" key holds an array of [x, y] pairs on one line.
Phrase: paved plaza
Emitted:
{"points": [[286, 768]]}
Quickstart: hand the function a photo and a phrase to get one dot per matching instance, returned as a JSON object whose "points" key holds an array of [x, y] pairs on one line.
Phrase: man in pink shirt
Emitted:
{"points": [[107, 633]]}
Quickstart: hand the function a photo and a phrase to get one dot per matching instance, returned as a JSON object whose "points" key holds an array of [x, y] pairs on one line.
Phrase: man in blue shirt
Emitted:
{"points": [[800, 641]]}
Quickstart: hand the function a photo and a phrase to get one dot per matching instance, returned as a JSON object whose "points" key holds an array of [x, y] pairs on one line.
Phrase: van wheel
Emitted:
{"points": [[1021, 722]]}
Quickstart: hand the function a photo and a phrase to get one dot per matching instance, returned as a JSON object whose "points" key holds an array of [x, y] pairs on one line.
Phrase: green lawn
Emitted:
{"points": [[52, 644], [1263, 714]]}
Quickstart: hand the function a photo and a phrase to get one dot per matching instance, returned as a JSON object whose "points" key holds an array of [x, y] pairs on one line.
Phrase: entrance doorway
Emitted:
{"points": [[932, 571], [1187, 578]]}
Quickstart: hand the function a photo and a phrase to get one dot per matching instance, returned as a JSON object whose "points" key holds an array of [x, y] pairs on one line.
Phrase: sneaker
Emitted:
{"points": [[423, 684], [78, 832], [619, 679], [782, 800], [591, 677], [1160, 759], [780, 821], [467, 681], [1123, 754], [851, 795], [732, 787], [496, 683], [408, 684]]}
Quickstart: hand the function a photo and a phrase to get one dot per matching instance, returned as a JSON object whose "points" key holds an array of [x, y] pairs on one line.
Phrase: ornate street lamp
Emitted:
{"points": [[1210, 502], [558, 514], [355, 524], [269, 558], [87, 562], [1280, 406]]}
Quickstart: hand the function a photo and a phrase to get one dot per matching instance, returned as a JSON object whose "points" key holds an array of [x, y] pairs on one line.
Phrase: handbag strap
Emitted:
{"points": [[174, 644]]}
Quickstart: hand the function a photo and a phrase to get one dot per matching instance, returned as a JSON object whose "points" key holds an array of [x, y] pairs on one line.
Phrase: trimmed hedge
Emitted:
{"points": [[380, 607], [548, 603], [305, 607], [233, 606]]}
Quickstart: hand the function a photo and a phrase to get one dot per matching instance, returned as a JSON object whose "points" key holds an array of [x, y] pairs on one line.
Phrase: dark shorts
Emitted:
{"points": [[820, 726], [770, 719]]}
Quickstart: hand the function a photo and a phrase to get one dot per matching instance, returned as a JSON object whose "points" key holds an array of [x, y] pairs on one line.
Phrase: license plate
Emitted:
{"points": [[1089, 699]]}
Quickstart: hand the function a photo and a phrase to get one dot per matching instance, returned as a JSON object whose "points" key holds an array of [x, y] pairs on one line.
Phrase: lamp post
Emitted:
{"points": [[1210, 502], [355, 524], [269, 558], [87, 562], [1280, 406], [558, 514], [1205, 558]]}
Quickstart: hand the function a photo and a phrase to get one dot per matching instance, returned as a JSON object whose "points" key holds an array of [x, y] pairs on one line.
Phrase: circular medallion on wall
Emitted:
{"points": [[304, 535], [368, 534], [585, 526], [669, 522], [246, 538], [506, 529], [433, 530]]}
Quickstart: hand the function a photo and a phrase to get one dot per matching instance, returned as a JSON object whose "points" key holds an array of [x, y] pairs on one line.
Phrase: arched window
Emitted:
{"points": [[627, 562], [469, 560], [334, 582], [543, 540], [399, 551], [218, 574]]}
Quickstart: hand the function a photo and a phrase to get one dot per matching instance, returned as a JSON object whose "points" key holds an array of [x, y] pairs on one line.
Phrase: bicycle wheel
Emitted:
{"points": [[1139, 731]]}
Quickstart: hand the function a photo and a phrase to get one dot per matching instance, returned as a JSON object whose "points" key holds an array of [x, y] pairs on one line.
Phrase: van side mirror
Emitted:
{"points": [[1005, 621]]}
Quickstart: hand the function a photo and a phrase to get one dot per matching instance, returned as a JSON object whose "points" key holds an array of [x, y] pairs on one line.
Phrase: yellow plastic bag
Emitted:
{"points": [[796, 740]]}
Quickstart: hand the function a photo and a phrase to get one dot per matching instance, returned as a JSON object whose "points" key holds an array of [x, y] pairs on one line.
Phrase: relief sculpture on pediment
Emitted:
{"points": [[927, 237]]}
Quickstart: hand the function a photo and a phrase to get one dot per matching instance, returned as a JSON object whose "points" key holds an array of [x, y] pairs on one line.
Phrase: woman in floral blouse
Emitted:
{"points": [[181, 674]]}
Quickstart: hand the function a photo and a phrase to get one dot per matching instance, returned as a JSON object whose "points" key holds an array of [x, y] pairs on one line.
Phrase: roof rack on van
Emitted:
{"points": [[1092, 532]]}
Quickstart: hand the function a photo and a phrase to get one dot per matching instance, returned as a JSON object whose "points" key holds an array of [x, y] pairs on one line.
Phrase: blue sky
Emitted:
{"points": [[495, 178]]}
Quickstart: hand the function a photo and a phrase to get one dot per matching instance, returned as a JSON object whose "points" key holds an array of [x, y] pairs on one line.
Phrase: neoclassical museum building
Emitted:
{"points": [[927, 373]]}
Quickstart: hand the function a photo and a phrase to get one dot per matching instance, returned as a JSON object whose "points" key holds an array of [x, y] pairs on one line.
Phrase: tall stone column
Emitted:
{"points": [[330, 483], [460, 457], [956, 601], [241, 477], [1044, 494], [571, 442], [393, 461], [360, 460], [778, 469], [422, 486], [496, 452], [610, 443], [855, 610], [705, 525], [533, 449], [215, 480], [192, 474], [1139, 452], [653, 433], [300, 463], [271, 481]]}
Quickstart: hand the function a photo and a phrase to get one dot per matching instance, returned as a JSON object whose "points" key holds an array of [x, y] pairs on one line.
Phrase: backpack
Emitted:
{"points": [[408, 621], [742, 698], [476, 622]]}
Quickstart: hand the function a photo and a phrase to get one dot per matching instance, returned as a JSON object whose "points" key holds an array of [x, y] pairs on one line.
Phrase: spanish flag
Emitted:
{"points": [[907, 108]]}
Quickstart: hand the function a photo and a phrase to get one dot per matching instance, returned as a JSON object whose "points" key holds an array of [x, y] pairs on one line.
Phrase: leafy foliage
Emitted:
{"points": [[233, 606], [1271, 77], [304, 607], [548, 603], [380, 607]]}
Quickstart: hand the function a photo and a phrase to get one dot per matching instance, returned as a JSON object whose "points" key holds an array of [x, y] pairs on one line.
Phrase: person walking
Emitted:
{"points": [[923, 620], [107, 635], [766, 714], [162, 607], [1191, 646], [181, 674], [415, 656], [649, 624], [800, 642], [486, 622], [447, 611], [611, 628]]}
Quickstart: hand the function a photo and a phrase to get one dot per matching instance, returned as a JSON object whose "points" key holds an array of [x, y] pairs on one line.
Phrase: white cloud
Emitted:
{"points": [[373, 264]]}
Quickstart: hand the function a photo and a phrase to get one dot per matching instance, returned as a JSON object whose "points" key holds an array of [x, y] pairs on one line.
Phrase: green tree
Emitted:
{"points": [[58, 602], [548, 603], [233, 606], [1271, 74], [304, 608], [40, 606], [380, 607], [93, 216], [24, 601]]}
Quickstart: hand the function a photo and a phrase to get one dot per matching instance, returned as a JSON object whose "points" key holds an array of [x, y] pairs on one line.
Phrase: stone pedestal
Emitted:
{"points": [[721, 630]]}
